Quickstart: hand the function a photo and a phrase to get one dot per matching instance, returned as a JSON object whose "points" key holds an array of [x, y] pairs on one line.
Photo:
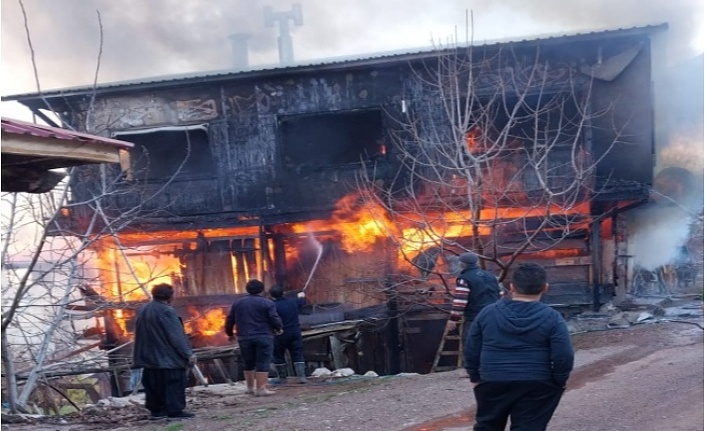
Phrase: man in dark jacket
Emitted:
{"points": [[475, 288], [291, 339], [256, 321], [518, 356], [163, 351]]}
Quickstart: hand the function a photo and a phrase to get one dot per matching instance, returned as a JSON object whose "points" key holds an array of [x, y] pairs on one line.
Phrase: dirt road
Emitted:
{"points": [[646, 377]]}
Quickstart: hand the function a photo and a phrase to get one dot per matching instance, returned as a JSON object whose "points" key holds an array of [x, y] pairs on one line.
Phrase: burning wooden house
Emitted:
{"points": [[360, 180]]}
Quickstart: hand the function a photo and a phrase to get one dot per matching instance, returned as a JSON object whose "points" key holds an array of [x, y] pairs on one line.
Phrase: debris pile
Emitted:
{"points": [[635, 311]]}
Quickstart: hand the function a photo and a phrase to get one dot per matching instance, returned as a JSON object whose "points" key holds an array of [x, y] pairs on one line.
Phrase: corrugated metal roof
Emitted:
{"points": [[350, 61], [17, 127]]}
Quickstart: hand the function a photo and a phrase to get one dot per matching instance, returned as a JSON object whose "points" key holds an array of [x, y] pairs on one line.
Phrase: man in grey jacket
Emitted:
{"points": [[164, 351]]}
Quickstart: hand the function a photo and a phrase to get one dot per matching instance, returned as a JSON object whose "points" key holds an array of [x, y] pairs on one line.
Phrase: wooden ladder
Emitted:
{"points": [[450, 348]]}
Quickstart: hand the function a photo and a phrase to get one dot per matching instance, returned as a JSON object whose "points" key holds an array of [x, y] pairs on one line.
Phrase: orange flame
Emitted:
{"points": [[358, 223], [210, 323], [556, 254], [472, 139]]}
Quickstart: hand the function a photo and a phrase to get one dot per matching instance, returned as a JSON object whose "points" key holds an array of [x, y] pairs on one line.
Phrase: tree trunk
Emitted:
{"points": [[10, 376]]}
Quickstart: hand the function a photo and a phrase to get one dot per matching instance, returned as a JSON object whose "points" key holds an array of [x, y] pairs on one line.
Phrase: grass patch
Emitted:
{"points": [[175, 427]]}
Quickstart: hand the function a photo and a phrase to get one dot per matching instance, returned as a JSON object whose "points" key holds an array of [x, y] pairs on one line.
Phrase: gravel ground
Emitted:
{"points": [[646, 377]]}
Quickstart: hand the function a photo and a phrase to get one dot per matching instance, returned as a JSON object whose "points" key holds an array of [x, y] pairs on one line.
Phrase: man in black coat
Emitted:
{"points": [[256, 320], [475, 288], [162, 349]]}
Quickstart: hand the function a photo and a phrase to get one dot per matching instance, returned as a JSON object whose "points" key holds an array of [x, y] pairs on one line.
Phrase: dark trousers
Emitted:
{"points": [[256, 353], [288, 340], [529, 405], [165, 390]]}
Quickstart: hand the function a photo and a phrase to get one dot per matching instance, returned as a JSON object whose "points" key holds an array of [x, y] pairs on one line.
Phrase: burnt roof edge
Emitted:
{"points": [[30, 99]]}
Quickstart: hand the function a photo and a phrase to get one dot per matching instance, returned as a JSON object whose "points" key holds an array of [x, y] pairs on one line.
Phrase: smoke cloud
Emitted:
{"points": [[160, 37], [657, 235]]}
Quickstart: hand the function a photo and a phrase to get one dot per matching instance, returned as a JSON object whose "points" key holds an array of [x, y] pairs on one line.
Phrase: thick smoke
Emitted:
{"points": [[159, 37], [657, 235]]}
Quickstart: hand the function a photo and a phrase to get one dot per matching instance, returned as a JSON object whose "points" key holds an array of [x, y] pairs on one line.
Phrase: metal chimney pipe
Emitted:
{"points": [[284, 40], [239, 45]]}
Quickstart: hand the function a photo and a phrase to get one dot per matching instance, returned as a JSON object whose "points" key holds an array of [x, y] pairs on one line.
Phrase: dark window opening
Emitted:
{"points": [[551, 120], [164, 154], [331, 139]]}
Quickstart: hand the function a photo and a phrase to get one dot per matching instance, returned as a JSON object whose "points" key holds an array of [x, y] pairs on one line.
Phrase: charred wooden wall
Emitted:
{"points": [[246, 121], [254, 120]]}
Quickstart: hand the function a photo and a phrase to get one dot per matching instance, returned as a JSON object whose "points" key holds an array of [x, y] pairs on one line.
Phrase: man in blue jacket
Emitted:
{"points": [[256, 321], [475, 288], [519, 356], [163, 351], [291, 339]]}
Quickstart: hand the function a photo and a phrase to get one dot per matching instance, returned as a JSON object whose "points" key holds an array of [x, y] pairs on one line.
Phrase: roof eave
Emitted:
{"points": [[38, 100]]}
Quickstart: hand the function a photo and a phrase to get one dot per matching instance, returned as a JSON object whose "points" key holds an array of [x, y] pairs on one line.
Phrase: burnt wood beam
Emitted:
{"points": [[44, 117], [596, 267]]}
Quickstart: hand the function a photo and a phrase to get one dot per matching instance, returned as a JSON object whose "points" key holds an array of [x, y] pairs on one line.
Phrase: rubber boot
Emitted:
{"points": [[261, 384], [300, 369], [281, 373], [249, 381]]}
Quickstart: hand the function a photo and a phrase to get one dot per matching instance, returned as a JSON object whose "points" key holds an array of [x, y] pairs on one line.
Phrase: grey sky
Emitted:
{"points": [[144, 38]]}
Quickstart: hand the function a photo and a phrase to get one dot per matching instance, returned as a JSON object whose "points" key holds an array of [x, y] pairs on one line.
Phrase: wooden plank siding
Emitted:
{"points": [[260, 177]]}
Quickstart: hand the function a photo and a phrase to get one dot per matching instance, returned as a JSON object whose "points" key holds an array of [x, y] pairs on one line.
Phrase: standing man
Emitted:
{"points": [[519, 356], [291, 339], [475, 288], [256, 320], [163, 351]]}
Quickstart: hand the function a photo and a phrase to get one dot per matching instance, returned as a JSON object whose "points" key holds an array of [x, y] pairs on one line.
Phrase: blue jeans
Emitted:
{"points": [[256, 353]]}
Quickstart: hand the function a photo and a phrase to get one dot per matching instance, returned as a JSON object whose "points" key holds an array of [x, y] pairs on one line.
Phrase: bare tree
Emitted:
{"points": [[52, 302], [494, 149], [51, 312]]}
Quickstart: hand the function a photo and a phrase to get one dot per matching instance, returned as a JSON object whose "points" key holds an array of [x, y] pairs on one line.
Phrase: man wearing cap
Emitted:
{"points": [[475, 288]]}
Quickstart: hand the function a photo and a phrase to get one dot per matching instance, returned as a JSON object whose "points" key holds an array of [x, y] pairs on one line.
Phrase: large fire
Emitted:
{"points": [[358, 225], [219, 261]]}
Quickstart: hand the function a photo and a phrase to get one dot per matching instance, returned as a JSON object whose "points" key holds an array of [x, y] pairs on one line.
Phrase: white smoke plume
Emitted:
{"points": [[656, 235]]}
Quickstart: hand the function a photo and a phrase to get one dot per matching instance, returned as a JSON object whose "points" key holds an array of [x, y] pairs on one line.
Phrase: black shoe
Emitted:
{"points": [[157, 416], [181, 415]]}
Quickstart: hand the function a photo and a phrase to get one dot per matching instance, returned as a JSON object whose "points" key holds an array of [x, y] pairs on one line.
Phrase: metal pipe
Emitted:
{"points": [[318, 257]]}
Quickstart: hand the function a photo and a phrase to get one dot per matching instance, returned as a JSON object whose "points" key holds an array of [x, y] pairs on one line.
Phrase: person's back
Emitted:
{"points": [[475, 288], [159, 338], [291, 338], [522, 341], [518, 356], [162, 351], [288, 310], [256, 321], [484, 290], [252, 316]]}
